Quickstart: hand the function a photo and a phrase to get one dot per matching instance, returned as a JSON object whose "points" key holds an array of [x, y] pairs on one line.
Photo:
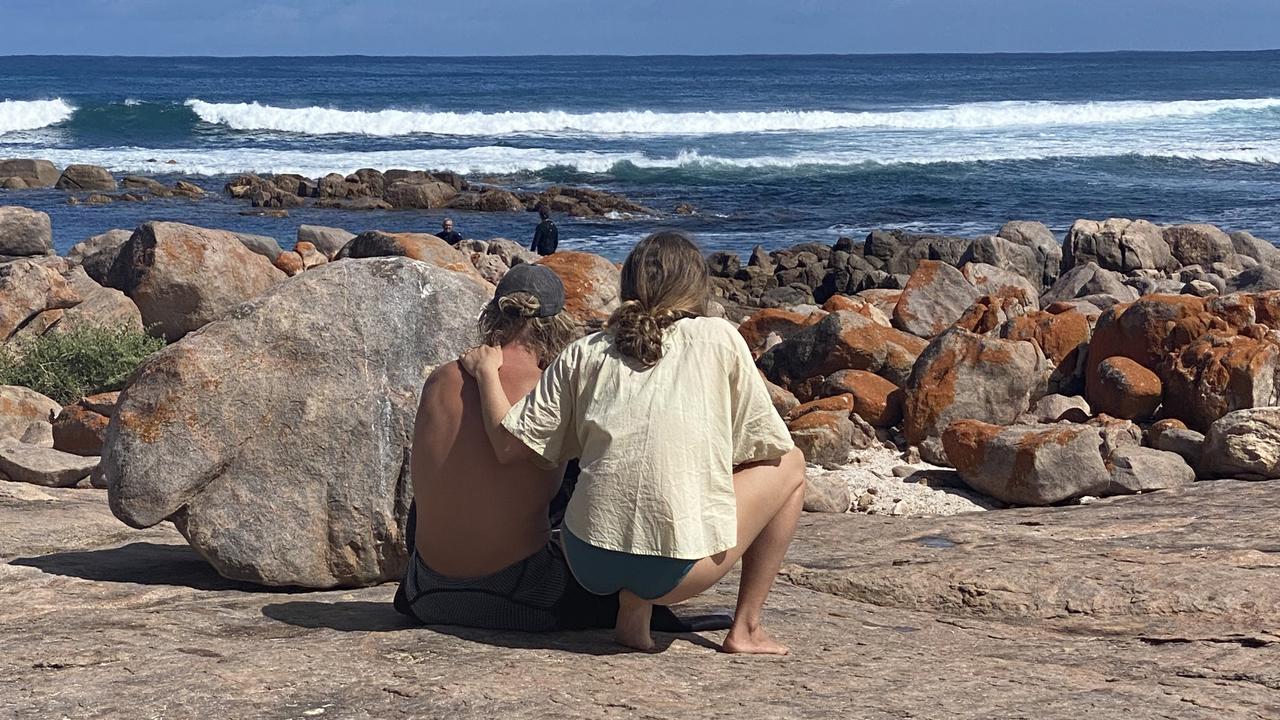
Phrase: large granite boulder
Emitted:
{"points": [[1063, 337], [1198, 244], [898, 253], [1245, 244], [30, 173], [1219, 373], [1117, 244], [183, 277], [19, 407], [1244, 445], [1088, 280], [875, 399], [86, 178], [286, 482], [935, 297], [1028, 464], [29, 289], [772, 325], [1257, 279], [1146, 331], [1039, 238], [843, 340], [24, 232], [423, 247], [97, 254], [1010, 256], [963, 375], [424, 195], [591, 285]]}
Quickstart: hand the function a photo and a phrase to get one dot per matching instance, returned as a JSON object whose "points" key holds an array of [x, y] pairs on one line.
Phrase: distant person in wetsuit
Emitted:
{"points": [[448, 234], [546, 238]]}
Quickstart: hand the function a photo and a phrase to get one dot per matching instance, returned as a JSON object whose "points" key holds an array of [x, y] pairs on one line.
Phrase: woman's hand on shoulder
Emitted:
{"points": [[480, 360]]}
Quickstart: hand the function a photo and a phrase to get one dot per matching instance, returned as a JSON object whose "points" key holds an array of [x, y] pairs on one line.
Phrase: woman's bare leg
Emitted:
{"points": [[632, 627], [769, 497]]}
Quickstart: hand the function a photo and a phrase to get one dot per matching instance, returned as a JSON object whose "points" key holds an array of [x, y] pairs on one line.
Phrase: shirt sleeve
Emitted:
{"points": [[758, 430], [544, 419]]}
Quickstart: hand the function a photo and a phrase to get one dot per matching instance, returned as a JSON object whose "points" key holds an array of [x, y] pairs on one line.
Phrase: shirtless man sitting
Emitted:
{"points": [[483, 554]]}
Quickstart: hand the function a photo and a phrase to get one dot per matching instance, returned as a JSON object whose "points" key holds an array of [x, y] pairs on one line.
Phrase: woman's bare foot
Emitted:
{"points": [[752, 641], [632, 627]]}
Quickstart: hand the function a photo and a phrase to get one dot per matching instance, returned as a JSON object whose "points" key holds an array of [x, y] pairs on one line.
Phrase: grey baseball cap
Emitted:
{"points": [[537, 280]]}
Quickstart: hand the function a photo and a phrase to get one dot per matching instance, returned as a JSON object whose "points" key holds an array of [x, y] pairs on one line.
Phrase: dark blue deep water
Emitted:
{"points": [[772, 150]]}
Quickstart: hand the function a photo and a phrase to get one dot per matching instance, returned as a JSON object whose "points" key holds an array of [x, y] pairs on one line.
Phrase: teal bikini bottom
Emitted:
{"points": [[605, 572]]}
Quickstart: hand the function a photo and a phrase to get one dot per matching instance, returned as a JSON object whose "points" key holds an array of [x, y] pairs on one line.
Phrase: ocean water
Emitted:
{"points": [[771, 150]]}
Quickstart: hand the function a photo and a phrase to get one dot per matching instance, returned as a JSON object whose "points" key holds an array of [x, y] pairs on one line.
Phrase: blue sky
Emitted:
{"points": [[632, 27]]}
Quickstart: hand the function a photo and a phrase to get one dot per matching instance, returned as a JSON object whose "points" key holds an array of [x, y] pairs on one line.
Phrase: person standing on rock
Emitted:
{"points": [[546, 238], [448, 234], [686, 465], [481, 553]]}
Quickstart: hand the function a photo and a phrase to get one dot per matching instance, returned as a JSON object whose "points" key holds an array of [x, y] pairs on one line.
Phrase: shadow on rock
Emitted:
{"points": [[367, 616], [141, 563]]}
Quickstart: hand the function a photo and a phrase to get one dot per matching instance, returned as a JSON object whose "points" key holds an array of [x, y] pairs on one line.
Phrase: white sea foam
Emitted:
{"points": [[32, 114], [971, 116], [507, 160]]}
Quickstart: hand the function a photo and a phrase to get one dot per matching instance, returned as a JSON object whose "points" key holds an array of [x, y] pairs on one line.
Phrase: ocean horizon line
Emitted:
{"points": [[364, 56]]}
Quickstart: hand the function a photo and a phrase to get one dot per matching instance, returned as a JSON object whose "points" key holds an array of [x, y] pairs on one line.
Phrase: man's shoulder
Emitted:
{"points": [[448, 375]]}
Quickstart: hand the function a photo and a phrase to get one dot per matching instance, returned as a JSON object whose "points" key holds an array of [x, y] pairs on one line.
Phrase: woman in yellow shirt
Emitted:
{"points": [[686, 465]]}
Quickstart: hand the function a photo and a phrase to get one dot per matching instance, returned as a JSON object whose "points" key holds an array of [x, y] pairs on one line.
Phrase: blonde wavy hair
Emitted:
{"points": [[514, 318], [664, 279]]}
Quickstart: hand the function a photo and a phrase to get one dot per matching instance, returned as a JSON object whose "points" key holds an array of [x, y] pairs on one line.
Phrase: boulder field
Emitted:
{"points": [[267, 446]]}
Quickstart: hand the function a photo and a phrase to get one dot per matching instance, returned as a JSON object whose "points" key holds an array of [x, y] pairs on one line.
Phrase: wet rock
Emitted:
{"points": [[1198, 244], [327, 240], [1126, 389], [935, 297], [19, 407], [86, 177], [410, 195], [1117, 244], [1141, 469], [591, 285], [217, 433], [874, 399], [1244, 444], [847, 274], [27, 173], [1028, 464], [963, 375], [37, 465], [899, 253], [183, 277], [842, 341], [24, 232]]}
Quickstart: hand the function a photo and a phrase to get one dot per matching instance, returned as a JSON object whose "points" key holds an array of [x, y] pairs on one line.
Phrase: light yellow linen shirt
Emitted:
{"points": [[657, 446]]}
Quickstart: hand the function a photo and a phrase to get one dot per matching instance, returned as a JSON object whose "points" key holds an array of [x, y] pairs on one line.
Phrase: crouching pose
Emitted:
{"points": [[480, 537], [686, 465]]}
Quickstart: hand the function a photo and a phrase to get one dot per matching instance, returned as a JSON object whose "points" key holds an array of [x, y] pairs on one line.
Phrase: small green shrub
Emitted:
{"points": [[68, 366]]}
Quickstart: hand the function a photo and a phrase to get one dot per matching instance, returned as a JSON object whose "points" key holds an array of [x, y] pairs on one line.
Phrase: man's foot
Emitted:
{"points": [[632, 628], [752, 641]]}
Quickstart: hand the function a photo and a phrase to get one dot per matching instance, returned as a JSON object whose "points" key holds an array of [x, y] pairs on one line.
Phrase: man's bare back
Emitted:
{"points": [[475, 515]]}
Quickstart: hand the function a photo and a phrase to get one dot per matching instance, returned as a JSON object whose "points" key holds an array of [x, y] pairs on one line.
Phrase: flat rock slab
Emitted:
{"points": [[38, 465], [141, 627]]}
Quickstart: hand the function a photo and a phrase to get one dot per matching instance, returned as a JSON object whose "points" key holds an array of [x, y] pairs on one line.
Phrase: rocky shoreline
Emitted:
{"points": [[922, 375], [366, 189]]}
